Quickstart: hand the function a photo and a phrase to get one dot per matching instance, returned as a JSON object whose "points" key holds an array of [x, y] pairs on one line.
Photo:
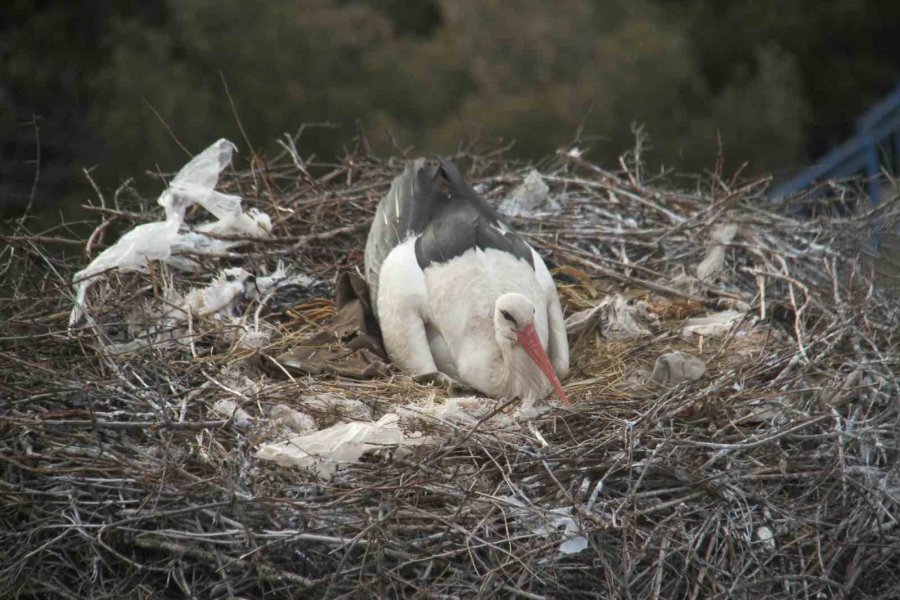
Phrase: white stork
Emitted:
{"points": [[460, 297]]}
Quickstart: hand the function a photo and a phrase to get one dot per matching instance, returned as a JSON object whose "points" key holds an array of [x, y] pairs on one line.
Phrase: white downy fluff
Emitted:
{"points": [[218, 295], [230, 285], [218, 301], [766, 537], [467, 410], [194, 184]]}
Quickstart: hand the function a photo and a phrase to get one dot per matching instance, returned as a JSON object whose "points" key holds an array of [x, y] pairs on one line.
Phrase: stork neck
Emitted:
{"points": [[520, 375]]}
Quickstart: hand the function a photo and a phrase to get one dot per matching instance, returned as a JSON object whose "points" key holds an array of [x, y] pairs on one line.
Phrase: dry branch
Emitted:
{"points": [[776, 475]]}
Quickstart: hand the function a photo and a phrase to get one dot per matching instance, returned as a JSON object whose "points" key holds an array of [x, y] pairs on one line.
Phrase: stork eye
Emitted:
{"points": [[508, 317]]}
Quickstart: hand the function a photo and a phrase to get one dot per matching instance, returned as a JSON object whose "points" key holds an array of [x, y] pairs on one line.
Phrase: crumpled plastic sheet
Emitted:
{"points": [[574, 540], [714, 325], [326, 450], [194, 184], [530, 197], [714, 261], [619, 319]]}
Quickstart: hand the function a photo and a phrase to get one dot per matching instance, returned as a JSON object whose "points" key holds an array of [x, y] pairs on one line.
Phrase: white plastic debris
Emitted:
{"points": [[675, 367], [583, 319], [132, 252], [714, 260], [532, 196], [546, 522], [471, 410], [326, 450], [619, 319], [714, 325], [194, 184], [228, 409], [575, 542], [466, 410], [767, 537]]}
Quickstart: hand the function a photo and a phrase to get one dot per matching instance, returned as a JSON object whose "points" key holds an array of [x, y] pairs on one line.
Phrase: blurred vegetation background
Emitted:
{"points": [[106, 85]]}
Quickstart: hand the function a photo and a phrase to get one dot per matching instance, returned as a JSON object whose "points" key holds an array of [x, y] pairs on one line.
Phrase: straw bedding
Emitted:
{"points": [[774, 475]]}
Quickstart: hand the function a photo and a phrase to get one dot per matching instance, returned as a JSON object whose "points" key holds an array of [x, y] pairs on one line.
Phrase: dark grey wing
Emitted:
{"points": [[461, 191], [402, 213], [460, 220], [432, 202]]}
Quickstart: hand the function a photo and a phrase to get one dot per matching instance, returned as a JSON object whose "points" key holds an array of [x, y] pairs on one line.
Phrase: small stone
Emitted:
{"points": [[675, 367]]}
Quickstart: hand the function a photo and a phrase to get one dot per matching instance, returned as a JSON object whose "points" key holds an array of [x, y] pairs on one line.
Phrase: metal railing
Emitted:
{"points": [[874, 147]]}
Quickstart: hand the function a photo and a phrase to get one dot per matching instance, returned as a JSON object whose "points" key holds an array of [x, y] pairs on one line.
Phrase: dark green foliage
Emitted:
{"points": [[846, 51], [49, 55], [773, 82]]}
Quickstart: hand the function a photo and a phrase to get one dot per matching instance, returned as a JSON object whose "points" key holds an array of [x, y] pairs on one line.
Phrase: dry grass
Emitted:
{"points": [[119, 480]]}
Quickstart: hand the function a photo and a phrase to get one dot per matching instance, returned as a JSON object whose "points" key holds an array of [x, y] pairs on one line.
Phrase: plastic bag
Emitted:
{"points": [[194, 184], [532, 196]]}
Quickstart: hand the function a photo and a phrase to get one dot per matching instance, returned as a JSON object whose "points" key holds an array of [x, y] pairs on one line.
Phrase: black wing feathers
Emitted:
{"points": [[432, 202], [459, 219]]}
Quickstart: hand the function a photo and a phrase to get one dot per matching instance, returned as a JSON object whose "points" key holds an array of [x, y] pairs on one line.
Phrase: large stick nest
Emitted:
{"points": [[774, 475]]}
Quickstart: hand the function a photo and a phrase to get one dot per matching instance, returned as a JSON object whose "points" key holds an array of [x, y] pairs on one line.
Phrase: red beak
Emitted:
{"points": [[531, 343]]}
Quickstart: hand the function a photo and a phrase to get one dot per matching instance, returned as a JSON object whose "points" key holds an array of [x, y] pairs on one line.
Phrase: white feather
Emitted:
{"points": [[443, 319]]}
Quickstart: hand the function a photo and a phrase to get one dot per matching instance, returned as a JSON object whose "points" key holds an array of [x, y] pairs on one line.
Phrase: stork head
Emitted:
{"points": [[514, 326]]}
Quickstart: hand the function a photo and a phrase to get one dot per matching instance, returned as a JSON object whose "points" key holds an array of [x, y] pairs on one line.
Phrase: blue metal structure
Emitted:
{"points": [[876, 144]]}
